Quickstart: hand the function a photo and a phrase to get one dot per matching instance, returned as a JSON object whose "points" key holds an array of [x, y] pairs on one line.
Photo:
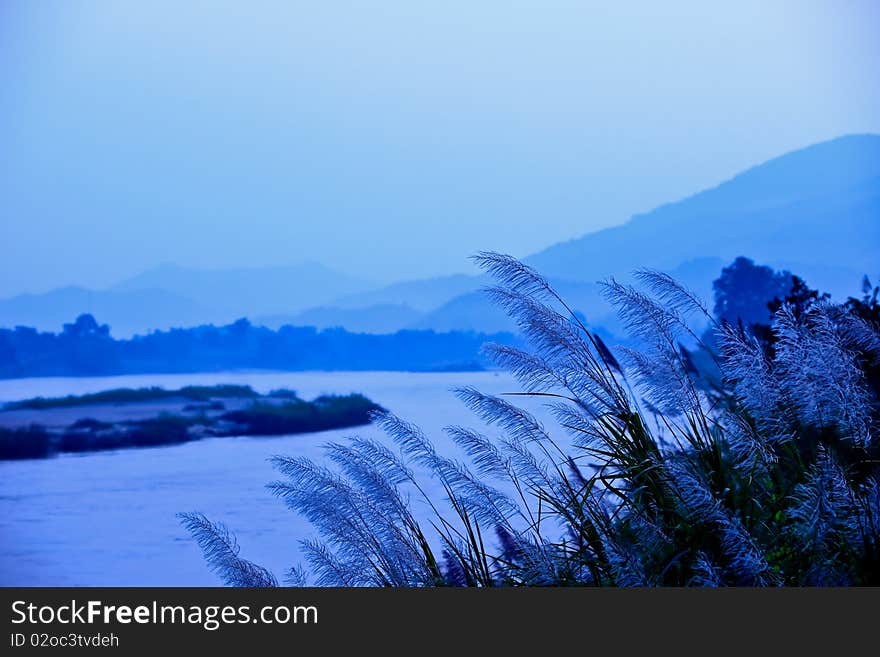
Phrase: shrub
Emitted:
{"points": [[133, 395], [90, 435], [201, 407], [653, 476], [32, 442], [90, 424], [163, 430], [325, 412], [92, 439]]}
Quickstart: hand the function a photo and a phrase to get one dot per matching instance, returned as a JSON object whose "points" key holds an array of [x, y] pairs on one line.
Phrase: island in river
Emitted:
{"points": [[149, 417]]}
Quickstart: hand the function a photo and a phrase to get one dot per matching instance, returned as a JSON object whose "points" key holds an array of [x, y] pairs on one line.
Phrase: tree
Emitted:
{"points": [[800, 298], [868, 307], [86, 326], [744, 289]]}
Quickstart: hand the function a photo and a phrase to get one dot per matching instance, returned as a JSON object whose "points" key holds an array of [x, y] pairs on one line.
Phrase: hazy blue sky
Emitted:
{"points": [[392, 139]]}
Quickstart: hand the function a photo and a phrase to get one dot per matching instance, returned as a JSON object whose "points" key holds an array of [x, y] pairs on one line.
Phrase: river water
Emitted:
{"points": [[108, 518]]}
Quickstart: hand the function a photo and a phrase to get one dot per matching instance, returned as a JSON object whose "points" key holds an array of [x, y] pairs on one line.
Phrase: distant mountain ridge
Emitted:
{"points": [[126, 312], [170, 295], [381, 318], [251, 291], [814, 211], [815, 207], [423, 294]]}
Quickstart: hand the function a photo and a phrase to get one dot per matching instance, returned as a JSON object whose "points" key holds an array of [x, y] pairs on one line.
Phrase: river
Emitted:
{"points": [[108, 518]]}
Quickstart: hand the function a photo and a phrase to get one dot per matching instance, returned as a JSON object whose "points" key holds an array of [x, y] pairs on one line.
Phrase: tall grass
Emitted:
{"points": [[758, 468]]}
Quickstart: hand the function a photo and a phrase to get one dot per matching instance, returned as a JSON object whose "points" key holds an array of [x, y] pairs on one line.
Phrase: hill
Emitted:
{"points": [[814, 210], [381, 318], [128, 312], [253, 291]]}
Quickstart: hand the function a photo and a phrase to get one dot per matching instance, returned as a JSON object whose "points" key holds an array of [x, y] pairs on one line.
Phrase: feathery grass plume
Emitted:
{"points": [[677, 297], [747, 563], [643, 316], [554, 336], [823, 522], [532, 371], [661, 369], [453, 573], [515, 421], [750, 452], [484, 453], [705, 572], [517, 276], [296, 577], [827, 385], [221, 552], [626, 565], [370, 536], [651, 475], [754, 386], [328, 569], [606, 354]]}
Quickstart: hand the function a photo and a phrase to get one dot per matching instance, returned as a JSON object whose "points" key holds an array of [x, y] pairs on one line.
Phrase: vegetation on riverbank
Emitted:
{"points": [[86, 348], [280, 412], [131, 395]]}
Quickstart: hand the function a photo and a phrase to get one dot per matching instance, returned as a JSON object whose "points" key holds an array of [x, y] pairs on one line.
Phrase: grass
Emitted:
{"points": [[760, 469]]}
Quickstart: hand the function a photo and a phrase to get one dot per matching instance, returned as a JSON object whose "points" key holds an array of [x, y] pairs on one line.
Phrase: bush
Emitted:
{"points": [[91, 436], [164, 430], [326, 412], [134, 395], [90, 424], [205, 406], [92, 440], [32, 442], [771, 477]]}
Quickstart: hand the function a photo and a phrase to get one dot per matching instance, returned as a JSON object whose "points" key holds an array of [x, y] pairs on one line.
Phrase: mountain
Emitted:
{"points": [[177, 296], [382, 318], [252, 292], [126, 312], [474, 312], [422, 294], [813, 210]]}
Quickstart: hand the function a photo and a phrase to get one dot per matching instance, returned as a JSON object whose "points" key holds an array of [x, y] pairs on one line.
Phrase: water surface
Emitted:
{"points": [[108, 518]]}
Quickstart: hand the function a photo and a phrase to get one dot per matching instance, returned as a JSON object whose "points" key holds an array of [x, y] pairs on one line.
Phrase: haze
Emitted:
{"points": [[391, 140]]}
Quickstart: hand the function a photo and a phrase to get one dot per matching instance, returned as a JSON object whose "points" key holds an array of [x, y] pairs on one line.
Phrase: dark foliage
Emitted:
{"points": [[132, 395], [91, 436], [83, 350], [32, 442], [744, 289], [298, 416], [281, 413]]}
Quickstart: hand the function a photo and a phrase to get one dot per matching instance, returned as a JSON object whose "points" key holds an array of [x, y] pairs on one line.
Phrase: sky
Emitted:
{"points": [[392, 139]]}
